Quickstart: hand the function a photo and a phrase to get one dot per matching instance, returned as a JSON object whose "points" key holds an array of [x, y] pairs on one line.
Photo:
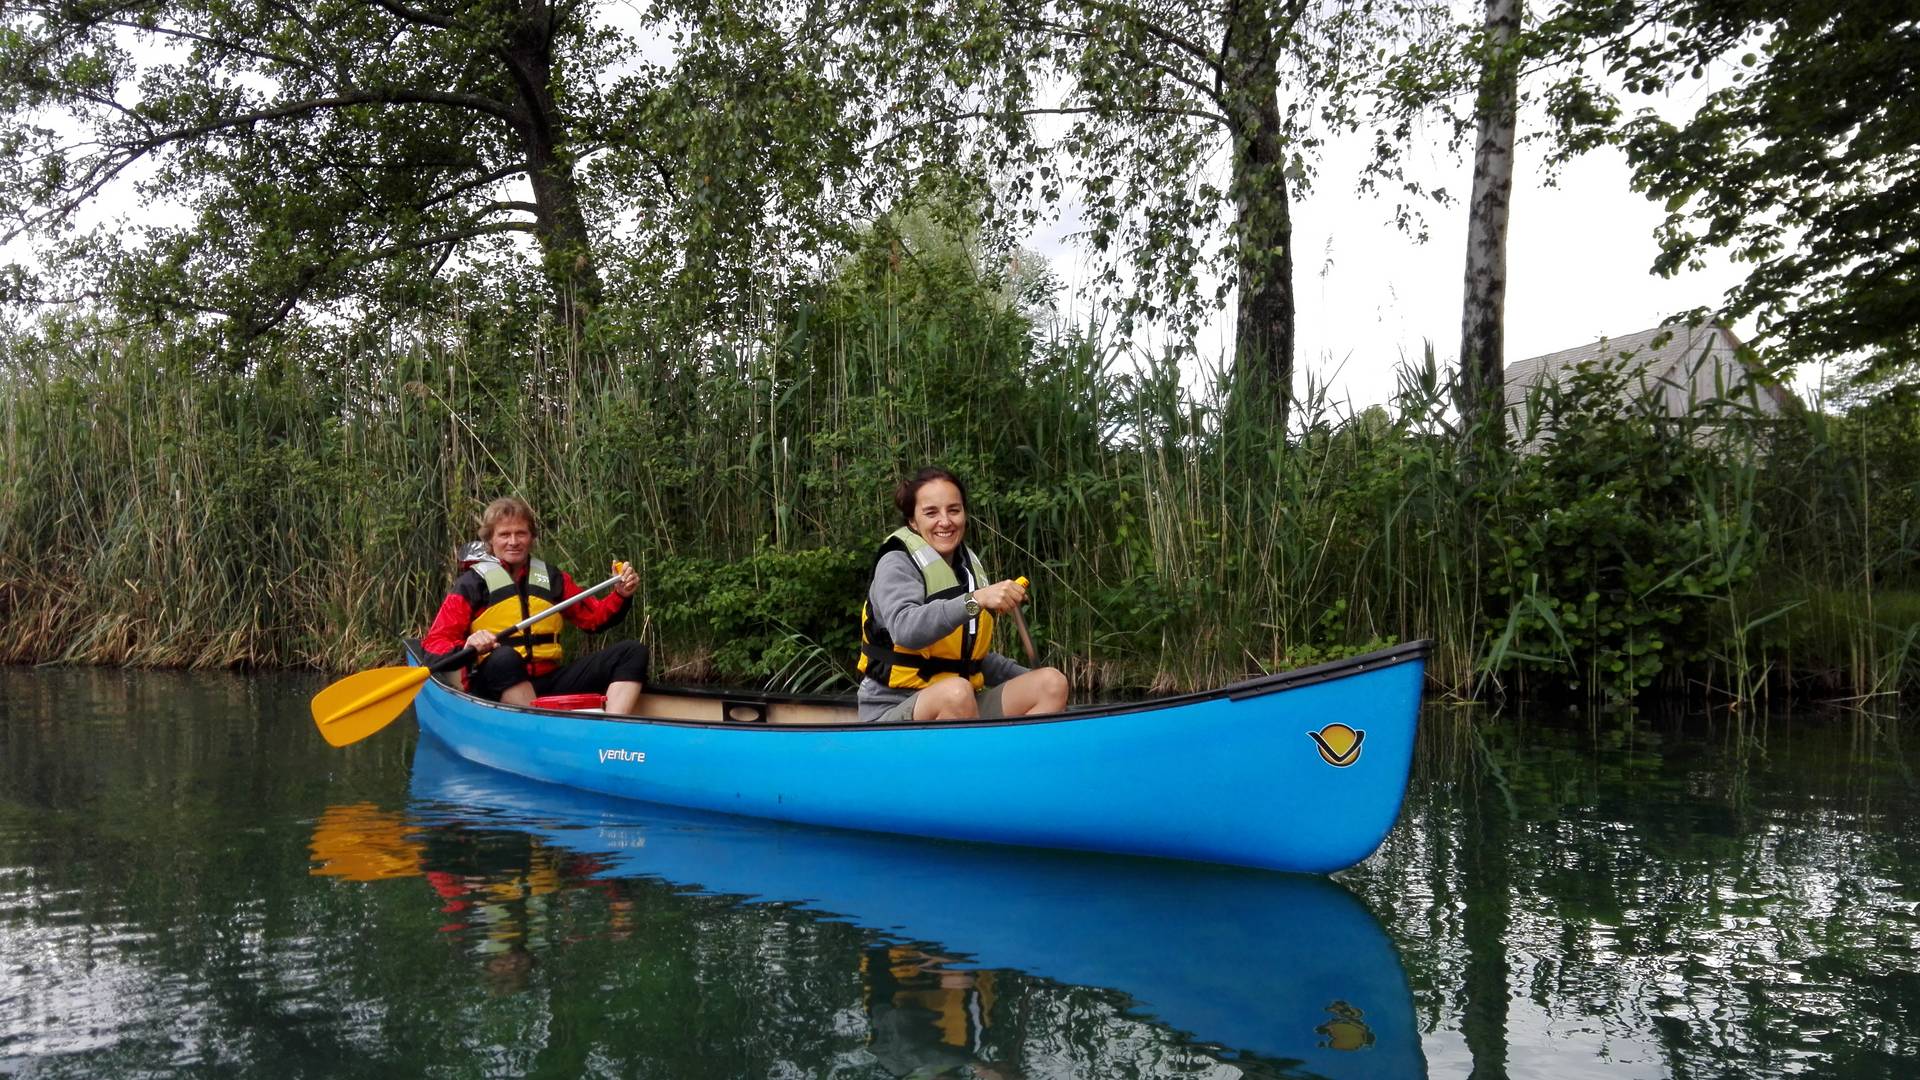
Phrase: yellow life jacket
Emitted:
{"points": [[507, 604], [959, 653]]}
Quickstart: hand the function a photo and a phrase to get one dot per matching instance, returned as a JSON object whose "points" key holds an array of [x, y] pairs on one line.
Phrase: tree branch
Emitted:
{"points": [[415, 15], [1132, 15], [446, 252], [1130, 52], [1144, 110], [452, 236], [221, 43], [122, 155], [96, 177], [476, 182]]}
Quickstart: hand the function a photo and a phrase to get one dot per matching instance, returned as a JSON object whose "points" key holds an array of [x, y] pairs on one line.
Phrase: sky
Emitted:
{"points": [[1369, 297]]}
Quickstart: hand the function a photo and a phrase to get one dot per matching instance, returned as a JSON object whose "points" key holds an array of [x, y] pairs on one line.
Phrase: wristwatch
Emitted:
{"points": [[973, 607]]}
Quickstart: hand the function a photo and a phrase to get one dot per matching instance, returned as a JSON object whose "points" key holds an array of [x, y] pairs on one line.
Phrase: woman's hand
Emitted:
{"points": [[1001, 596], [482, 641], [629, 582]]}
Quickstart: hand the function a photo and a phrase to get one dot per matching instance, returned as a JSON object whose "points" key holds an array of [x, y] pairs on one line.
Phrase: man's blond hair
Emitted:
{"points": [[507, 508]]}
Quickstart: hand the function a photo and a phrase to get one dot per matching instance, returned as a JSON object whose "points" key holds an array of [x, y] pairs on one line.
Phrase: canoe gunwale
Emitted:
{"points": [[1246, 689]]}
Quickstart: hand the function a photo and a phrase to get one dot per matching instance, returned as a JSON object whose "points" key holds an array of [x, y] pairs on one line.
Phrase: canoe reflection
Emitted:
{"points": [[1290, 968]]}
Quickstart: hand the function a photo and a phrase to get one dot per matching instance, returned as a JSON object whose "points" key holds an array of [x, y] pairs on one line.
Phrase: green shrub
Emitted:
{"points": [[1613, 540], [758, 614]]}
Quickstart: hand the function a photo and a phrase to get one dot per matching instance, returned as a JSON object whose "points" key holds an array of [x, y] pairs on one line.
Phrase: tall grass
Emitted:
{"points": [[302, 509]]}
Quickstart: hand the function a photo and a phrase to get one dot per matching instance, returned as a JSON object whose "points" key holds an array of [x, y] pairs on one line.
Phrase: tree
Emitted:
{"points": [[356, 145], [1443, 66], [1804, 163], [361, 150], [1128, 104], [1483, 306]]}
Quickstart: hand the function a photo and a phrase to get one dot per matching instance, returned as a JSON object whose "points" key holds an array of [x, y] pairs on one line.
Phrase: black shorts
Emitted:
{"points": [[623, 661]]}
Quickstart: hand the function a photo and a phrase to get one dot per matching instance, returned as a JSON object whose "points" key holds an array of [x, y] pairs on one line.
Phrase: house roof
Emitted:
{"points": [[1666, 356]]}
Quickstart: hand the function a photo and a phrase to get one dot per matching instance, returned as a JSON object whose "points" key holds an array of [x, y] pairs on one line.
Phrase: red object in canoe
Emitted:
{"points": [[571, 701]]}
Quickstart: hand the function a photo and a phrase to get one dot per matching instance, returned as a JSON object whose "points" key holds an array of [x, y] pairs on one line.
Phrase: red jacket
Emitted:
{"points": [[454, 622]]}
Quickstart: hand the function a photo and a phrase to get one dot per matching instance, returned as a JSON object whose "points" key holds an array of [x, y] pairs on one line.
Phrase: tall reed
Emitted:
{"points": [[157, 508]]}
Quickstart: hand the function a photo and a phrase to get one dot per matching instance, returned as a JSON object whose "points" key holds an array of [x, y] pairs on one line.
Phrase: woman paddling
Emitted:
{"points": [[512, 585], [926, 632]]}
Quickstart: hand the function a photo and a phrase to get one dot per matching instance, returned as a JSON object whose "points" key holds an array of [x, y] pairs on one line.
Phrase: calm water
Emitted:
{"points": [[193, 884]]}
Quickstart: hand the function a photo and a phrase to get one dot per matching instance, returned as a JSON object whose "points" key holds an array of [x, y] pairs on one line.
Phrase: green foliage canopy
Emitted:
{"points": [[1804, 162], [373, 151], [348, 149]]}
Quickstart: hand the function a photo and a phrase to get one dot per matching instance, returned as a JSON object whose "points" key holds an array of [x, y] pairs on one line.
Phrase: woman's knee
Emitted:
{"points": [[1053, 683], [504, 661], [500, 671], [948, 698]]}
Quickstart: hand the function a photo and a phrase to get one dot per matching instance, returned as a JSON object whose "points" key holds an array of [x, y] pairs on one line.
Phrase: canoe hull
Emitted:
{"points": [[1234, 776]]}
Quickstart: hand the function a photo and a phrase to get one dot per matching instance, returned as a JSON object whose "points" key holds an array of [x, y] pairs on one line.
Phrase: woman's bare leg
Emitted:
{"points": [[1042, 690], [948, 699]]}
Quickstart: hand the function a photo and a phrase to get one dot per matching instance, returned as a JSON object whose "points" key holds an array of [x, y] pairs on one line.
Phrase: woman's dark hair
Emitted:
{"points": [[908, 492]]}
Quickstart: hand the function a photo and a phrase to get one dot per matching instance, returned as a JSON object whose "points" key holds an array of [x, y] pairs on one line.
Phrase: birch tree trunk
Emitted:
{"points": [[1483, 314], [1249, 94]]}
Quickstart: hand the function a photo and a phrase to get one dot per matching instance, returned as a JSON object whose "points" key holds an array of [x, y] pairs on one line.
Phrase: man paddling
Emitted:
{"points": [[512, 585]]}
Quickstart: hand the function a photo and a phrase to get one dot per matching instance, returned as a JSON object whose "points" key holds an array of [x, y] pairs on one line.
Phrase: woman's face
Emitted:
{"points": [[939, 516], [510, 541]]}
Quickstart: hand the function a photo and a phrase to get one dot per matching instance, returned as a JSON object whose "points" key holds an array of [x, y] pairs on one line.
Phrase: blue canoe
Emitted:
{"points": [[1302, 771], [1292, 968]]}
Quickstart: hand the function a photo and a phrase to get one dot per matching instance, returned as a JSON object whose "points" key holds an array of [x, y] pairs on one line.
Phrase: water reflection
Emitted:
{"points": [[1636, 894], [192, 883], [361, 842], [1001, 961]]}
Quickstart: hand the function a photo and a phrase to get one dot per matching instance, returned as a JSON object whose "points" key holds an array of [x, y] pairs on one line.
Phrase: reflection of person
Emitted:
{"points": [[511, 586], [495, 884], [926, 631], [927, 1018]]}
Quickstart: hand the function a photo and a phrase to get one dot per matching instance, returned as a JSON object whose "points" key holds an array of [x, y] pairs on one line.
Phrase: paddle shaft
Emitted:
{"points": [[462, 657], [1020, 624]]}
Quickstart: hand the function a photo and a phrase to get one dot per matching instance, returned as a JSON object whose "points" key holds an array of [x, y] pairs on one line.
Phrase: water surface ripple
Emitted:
{"points": [[193, 884]]}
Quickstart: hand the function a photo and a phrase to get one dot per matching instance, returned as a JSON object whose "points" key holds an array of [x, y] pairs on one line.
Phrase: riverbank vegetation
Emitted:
{"points": [[163, 509], [701, 280]]}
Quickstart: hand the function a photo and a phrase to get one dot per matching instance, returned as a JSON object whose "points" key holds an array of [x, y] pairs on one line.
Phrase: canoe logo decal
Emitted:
{"points": [[639, 756], [1345, 1029], [1339, 744]]}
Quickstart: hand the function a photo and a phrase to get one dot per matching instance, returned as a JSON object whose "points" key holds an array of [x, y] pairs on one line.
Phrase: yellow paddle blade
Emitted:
{"points": [[361, 704]]}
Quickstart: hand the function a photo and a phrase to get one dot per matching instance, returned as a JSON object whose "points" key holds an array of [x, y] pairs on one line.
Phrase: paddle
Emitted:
{"points": [[1020, 624], [363, 703]]}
